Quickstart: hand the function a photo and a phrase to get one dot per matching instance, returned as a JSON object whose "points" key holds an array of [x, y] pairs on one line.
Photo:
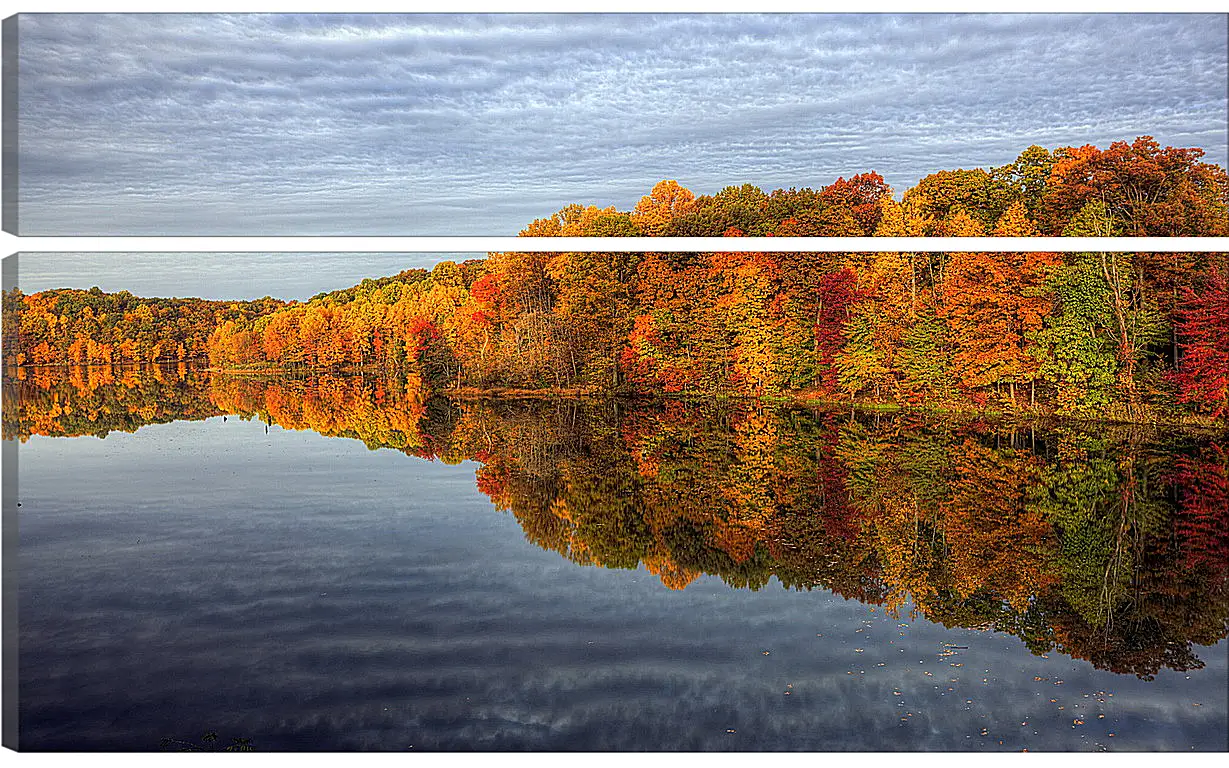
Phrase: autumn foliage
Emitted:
{"points": [[1128, 336], [1123, 336], [1147, 189], [1203, 324]]}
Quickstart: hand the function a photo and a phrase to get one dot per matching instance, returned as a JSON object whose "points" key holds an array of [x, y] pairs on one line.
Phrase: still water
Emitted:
{"points": [[340, 564]]}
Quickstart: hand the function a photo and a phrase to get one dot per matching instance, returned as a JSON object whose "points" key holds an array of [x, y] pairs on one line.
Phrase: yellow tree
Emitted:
{"points": [[1024, 294], [667, 201]]}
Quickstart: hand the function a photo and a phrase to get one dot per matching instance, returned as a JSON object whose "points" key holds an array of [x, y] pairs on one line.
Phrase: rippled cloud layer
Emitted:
{"points": [[475, 125]]}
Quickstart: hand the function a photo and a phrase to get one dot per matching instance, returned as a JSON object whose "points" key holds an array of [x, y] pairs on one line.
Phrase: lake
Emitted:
{"points": [[341, 563]]}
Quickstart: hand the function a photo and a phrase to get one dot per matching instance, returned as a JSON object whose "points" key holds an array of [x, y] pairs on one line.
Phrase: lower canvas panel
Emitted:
{"points": [[550, 502]]}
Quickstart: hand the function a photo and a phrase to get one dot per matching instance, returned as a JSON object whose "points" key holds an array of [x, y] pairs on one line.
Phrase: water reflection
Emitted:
{"points": [[1108, 544]]}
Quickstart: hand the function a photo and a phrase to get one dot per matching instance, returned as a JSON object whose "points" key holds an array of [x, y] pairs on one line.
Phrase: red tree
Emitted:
{"points": [[861, 195], [837, 294], [1203, 324]]}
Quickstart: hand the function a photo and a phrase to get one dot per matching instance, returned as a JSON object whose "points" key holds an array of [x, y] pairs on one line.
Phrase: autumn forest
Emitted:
{"points": [[1125, 336], [1118, 336]]}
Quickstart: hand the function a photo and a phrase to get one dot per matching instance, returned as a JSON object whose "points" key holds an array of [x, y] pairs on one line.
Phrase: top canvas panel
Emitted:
{"points": [[597, 124]]}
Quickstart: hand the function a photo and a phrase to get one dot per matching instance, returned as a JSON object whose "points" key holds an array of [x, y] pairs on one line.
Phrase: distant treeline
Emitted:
{"points": [[1119, 335], [72, 326], [1141, 189]]}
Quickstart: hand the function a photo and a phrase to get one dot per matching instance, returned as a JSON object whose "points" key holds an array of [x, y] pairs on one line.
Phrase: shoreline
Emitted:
{"points": [[802, 399]]}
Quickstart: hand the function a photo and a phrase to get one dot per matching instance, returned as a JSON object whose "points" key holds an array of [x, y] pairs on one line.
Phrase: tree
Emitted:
{"points": [[1203, 330], [975, 192], [837, 293], [1027, 178], [1146, 190], [862, 196], [1074, 349], [667, 202]]}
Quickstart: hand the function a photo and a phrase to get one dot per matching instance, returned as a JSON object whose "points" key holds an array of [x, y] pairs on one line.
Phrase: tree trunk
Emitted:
{"points": [[912, 285], [1173, 327]]}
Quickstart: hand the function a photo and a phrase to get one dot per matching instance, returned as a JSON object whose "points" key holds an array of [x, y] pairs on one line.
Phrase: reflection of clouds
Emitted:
{"points": [[314, 595], [478, 124]]}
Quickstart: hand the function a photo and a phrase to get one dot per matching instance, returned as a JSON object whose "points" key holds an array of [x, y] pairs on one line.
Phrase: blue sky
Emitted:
{"points": [[475, 125]]}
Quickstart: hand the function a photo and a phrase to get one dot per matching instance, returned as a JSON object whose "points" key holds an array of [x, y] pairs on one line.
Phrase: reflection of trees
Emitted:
{"points": [[383, 413], [95, 400], [1107, 545], [1069, 539]]}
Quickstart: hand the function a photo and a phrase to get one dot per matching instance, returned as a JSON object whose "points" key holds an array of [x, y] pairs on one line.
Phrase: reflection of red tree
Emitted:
{"points": [[736, 540], [841, 520], [493, 481], [997, 544], [1202, 519]]}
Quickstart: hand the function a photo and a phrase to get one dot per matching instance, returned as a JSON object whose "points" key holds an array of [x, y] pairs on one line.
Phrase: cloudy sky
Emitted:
{"points": [[475, 125], [218, 276]]}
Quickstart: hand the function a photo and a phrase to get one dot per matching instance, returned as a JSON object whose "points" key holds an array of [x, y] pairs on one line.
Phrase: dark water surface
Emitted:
{"points": [[612, 579]]}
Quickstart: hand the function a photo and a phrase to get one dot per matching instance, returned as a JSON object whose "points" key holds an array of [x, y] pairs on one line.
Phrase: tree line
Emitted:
{"points": [[1146, 189], [1109, 335], [79, 327], [1123, 335]]}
